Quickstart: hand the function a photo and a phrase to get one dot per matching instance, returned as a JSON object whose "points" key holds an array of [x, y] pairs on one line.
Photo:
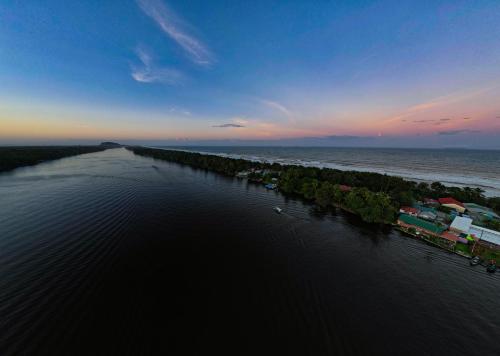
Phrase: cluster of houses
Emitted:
{"points": [[258, 175], [457, 223]]}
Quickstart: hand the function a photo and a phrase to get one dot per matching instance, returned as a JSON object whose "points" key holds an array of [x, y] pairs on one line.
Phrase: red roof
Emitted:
{"points": [[345, 188], [449, 236], [450, 201], [410, 210]]}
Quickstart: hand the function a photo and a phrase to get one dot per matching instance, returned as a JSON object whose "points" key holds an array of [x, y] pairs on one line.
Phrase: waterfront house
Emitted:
{"points": [[242, 174], [461, 225], [422, 226], [452, 204], [409, 210]]}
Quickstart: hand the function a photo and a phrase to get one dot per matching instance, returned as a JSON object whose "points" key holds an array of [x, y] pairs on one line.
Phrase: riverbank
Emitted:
{"points": [[14, 157], [376, 198]]}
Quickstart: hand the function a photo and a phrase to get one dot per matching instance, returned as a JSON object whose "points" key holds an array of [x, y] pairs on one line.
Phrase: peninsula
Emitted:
{"points": [[19, 156], [433, 212]]}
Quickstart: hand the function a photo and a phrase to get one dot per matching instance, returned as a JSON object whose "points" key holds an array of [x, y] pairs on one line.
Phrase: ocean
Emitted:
{"points": [[110, 253], [453, 167]]}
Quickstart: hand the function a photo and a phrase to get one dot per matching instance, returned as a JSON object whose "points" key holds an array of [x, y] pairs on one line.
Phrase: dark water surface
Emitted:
{"points": [[104, 254]]}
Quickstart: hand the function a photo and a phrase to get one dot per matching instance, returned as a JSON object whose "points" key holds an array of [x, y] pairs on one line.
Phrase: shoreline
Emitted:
{"points": [[24, 156], [322, 187], [422, 177]]}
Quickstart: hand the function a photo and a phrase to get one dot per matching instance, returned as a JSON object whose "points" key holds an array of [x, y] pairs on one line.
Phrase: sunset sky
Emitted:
{"points": [[398, 73]]}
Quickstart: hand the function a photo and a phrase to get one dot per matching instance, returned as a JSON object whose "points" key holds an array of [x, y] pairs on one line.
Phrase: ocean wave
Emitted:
{"points": [[438, 171]]}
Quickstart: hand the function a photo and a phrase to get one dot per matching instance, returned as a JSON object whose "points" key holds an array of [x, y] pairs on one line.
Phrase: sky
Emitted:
{"points": [[312, 72]]}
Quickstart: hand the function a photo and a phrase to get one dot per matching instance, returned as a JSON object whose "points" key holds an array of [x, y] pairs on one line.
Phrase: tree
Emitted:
{"points": [[326, 194]]}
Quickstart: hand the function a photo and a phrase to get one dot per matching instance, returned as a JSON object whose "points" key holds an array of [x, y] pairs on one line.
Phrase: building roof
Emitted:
{"points": [[479, 209], [411, 220], [427, 213], [484, 234], [461, 224], [449, 236], [450, 200], [409, 209], [345, 188], [475, 206]]}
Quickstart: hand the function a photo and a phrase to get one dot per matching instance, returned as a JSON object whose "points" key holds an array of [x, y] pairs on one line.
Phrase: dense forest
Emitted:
{"points": [[373, 196], [13, 157]]}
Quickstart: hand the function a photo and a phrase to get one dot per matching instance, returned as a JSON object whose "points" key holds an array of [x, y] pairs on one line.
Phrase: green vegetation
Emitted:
{"points": [[13, 157], [375, 197], [486, 253], [464, 248], [492, 224]]}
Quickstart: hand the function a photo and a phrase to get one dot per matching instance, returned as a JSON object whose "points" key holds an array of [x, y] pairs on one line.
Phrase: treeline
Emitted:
{"points": [[375, 197], [373, 207], [13, 157], [227, 166]]}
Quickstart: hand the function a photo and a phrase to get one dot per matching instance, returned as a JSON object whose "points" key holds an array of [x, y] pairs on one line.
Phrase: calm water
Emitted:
{"points": [[457, 167], [104, 254]]}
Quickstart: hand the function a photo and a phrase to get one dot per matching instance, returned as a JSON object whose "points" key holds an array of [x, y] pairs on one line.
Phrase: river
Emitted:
{"points": [[111, 253]]}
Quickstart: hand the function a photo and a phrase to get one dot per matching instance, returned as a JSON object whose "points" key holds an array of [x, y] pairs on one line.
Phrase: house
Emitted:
{"points": [[409, 210], [424, 208], [242, 174], [452, 204], [480, 212], [422, 226], [461, 225], [345, 188]]}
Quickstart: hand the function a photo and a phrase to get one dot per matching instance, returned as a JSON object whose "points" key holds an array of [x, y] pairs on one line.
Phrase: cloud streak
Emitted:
{"points": [[147, 72], [177, 30], [457, 132], [228, 125], [278, 107]]}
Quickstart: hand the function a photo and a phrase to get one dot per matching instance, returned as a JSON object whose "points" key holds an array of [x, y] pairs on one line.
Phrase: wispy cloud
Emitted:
{"points": [[279, 107], [175, 28], [436, 103], [180, 111], [457, 132], [228, 125], [148, 72]]}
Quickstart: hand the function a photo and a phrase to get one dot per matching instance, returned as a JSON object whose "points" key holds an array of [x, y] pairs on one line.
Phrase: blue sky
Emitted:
{"points": [[394, 72]]}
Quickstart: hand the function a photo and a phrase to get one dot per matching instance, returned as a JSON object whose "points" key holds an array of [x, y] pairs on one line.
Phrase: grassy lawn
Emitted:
{"points": [[463, 248]]}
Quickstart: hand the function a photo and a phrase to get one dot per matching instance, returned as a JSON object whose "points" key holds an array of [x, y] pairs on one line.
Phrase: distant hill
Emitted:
{"points": [[110, 144]]}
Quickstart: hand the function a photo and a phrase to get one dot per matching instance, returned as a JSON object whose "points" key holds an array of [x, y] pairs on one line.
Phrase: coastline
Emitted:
{"points": [[426, 173]]}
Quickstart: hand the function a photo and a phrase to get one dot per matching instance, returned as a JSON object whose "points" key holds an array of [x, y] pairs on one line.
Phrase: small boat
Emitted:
{"points": [[474, 261], [492, 267], [154, 167], [277, 209]]}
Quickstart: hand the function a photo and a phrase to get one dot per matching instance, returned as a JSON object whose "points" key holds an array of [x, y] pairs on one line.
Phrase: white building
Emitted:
{"points": [[461, 225], [484, 234]]}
